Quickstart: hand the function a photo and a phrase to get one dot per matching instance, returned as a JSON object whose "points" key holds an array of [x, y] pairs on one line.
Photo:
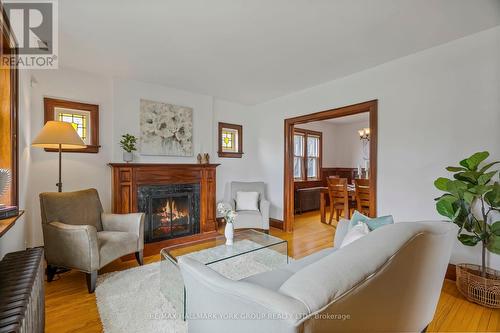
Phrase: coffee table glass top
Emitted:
{"points": [[251, 252], [245, 241]]}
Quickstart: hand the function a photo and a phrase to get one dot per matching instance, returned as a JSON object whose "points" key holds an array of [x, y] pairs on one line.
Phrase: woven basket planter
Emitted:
{"points": [[481, 290]]}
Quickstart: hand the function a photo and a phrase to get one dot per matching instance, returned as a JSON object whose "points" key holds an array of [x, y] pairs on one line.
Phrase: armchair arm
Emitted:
{"points": [[264, 211], [133, 223], [71, 246], [208, 293]]}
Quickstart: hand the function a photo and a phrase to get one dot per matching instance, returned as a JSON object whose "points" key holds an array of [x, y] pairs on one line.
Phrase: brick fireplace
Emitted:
{"points": [[178, 199]]}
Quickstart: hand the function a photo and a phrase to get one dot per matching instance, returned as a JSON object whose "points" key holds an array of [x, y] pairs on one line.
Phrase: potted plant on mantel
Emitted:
{"points": [[471, 201], [128, 145]]}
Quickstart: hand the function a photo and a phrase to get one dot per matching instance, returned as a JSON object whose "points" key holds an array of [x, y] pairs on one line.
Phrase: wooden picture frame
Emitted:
{"points": [[239, 151], [50, 104]]}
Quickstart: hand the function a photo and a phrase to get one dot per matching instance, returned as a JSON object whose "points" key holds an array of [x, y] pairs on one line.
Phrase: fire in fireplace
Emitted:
{"points": [[171, 210]]}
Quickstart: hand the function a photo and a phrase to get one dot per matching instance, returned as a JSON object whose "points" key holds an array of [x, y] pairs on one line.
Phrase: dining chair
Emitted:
{"points": [[339, 197], [362, 190]]}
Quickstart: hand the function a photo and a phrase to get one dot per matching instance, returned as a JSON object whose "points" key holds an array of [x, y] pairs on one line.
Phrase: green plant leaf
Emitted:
{"points": [[456, 169], [487, 166], [492, 198], [474, 160], [467, 176], [456, 187], [469, 240], [469, 197], [442, 183], [485, 177], [495, 228], [493, 243], [445, 208], [479, 190]]}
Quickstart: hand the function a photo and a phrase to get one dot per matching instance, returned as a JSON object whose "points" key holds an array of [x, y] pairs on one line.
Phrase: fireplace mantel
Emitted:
{"points": [[127, 177]]}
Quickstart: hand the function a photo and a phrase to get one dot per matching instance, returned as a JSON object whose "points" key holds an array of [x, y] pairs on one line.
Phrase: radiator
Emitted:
{"points": [[22, 304]]}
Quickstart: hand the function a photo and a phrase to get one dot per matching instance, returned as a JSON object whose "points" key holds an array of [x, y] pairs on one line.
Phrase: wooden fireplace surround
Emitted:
{"points": [[127, 177]]}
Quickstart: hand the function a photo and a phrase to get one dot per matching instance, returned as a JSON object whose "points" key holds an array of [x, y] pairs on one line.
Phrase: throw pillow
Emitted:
{"points": [[356, 232], [373, 223], [247, 201]]}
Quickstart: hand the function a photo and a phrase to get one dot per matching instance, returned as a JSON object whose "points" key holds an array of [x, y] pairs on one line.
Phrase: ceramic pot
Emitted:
{"points": [[128, 157]]}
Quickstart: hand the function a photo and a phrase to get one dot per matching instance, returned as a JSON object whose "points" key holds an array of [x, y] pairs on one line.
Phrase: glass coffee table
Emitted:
{"points": [[251, 253]]}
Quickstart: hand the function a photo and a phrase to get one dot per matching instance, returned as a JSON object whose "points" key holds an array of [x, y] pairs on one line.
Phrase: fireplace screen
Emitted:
{"points": [[171, 211]]}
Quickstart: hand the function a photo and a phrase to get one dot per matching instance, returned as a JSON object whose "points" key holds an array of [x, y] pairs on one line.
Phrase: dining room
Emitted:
{"points": [[333, 171]]}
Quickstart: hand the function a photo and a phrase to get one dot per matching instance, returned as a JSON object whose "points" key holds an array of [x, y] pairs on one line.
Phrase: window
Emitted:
{"points": [[8, 118], [83, 117], [307, 154], [230, 140]]}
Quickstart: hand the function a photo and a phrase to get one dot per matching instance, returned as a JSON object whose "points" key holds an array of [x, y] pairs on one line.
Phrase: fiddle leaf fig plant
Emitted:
{"points": [[469, 199]]}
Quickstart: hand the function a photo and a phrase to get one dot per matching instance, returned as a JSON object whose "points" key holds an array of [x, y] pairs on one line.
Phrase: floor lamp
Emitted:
{"points": [[58, 135]]}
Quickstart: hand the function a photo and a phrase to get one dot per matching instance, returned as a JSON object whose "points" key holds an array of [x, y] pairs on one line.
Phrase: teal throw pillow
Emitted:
{"points": [[373, 223]]}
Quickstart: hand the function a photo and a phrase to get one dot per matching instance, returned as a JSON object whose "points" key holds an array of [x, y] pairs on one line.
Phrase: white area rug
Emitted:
{"points": [[131, 301]]}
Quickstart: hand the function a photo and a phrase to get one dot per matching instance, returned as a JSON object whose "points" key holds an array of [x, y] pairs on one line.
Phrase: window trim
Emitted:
{"points": [[9, 46], [306, 134], [49, 108], [239, 152]]}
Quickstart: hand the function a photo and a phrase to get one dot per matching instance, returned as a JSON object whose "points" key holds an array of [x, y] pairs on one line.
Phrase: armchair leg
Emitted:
{"points": [[139, 256], [91, 281], [51, 272]]}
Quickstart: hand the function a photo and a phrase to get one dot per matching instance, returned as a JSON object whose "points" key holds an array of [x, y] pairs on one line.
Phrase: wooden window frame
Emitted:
{"points": [[239, 152], [49, 107], [307, 133], [9, 47]]}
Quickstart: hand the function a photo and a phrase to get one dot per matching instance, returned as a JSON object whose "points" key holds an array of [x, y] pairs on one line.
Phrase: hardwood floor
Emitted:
{"points": [[70, 308]]}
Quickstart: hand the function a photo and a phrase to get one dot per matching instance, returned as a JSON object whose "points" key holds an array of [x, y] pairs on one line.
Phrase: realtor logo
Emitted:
{"points": [[34, 24]]}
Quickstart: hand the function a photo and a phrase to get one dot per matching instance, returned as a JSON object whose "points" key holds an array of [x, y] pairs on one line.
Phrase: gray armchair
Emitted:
{"points": [[247, 218], [77, 234]]}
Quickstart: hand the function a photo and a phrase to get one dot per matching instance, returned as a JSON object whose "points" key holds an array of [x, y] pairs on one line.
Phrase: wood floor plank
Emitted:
{"points": [[70, 308]]}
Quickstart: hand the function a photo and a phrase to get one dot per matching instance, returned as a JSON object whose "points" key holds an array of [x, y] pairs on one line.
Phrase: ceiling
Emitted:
{"points": [[251, 51]]}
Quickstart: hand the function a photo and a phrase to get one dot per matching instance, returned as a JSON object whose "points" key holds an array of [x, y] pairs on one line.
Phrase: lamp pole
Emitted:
{"points": [[59, 184]]}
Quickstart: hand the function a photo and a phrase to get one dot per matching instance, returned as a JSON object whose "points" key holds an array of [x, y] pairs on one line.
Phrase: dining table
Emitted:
{"points": [[323, 195]]}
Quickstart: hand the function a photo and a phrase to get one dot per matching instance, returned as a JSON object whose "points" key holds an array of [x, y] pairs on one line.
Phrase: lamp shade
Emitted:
{"points": [[56, 133]]}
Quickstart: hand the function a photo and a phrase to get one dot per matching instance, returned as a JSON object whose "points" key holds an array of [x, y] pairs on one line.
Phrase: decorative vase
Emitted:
{"points": [[229, 233], [128, 156]]}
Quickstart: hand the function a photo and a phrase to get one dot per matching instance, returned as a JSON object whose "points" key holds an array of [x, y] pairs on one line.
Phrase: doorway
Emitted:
{"points": [[290, 173]]}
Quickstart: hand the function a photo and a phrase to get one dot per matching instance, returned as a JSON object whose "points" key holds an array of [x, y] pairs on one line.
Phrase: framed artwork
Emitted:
{"points": [[166, 129], [82, 116], [230, 140]]}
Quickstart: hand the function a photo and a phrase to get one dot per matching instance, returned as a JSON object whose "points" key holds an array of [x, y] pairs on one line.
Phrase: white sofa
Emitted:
{"points": [[388, 281]]}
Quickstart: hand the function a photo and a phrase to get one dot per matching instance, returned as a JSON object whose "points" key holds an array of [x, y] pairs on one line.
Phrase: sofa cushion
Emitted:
{"points": [[248, 219], [114, 244], [275, 278]]}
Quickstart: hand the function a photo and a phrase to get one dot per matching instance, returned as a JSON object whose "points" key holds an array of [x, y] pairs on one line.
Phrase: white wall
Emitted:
{"points": [[435, 107], [342, 147], [79, 170], [126, 99]]}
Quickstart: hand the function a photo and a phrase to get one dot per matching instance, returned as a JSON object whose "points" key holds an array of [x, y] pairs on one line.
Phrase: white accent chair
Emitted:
{"points": [[249, 218], [388, 281]]}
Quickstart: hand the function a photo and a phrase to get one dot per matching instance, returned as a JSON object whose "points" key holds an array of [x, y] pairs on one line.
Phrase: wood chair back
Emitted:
{"points": [[339, 195], [363, 201]]}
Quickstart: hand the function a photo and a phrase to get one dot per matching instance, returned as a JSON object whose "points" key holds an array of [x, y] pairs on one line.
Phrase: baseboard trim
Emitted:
{"points": [[275, 223], [451, 272]]}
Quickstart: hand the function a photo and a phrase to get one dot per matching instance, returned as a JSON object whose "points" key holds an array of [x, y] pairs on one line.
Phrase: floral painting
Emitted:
{"points": [[166, 129]]}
